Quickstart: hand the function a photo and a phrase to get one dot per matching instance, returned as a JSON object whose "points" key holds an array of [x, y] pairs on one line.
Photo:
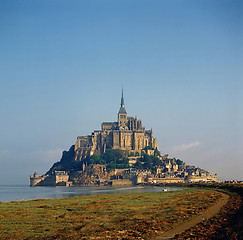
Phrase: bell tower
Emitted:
{"points": [[122, 115]]}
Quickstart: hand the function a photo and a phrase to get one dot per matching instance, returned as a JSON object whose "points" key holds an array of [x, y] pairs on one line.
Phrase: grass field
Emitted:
{"points": [[113, 216]]}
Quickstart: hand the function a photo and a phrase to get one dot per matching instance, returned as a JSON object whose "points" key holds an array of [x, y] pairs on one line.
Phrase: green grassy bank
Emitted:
{"points": [[113, 216]]}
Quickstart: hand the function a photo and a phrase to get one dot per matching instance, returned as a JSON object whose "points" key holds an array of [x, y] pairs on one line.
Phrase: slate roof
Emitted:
{"points": [[122, 110], [109, 123]]}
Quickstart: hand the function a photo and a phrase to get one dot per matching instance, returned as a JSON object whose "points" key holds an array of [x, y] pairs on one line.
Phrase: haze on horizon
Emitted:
{"points": [[63, 64]]}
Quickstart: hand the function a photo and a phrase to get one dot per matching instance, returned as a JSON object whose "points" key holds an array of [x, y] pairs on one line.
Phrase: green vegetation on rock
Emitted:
{"points": [[113, 159]]}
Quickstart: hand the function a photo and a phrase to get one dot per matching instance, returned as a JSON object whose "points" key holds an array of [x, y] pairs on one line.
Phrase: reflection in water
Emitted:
{"points": [[23, 192]]}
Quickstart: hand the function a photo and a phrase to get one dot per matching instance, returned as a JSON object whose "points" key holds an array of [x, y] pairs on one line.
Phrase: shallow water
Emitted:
{"points": [[24, 192]]}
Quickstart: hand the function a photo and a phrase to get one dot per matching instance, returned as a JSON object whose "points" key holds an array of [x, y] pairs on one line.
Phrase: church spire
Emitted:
{"points": [[122, 108], [122, 100]]}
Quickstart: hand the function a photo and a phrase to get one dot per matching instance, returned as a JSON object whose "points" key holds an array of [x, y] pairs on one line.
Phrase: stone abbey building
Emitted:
{"points": [[125, 134]]}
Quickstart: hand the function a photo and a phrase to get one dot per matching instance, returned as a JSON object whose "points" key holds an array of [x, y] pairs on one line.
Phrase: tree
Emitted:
{"points": [[115, 159], [111, 166], [96, 159], [156, 161], [148, 163], [131, 154], [148, 148], [179, 162], [138, 165], [156, 152], [112, 155]]}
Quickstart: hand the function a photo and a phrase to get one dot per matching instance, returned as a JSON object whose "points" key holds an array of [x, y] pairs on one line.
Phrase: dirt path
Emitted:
{"points": [[210, 212]]}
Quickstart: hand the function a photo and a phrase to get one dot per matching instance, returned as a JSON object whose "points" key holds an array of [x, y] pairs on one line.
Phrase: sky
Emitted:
{"points": [[63, 64]]}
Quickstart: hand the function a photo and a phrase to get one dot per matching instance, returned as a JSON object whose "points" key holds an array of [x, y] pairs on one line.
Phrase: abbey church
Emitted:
{"points": [[125, 134]]}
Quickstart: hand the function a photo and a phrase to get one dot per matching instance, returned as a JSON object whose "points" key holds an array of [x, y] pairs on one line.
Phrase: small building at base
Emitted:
{"points": [[58, 178]]}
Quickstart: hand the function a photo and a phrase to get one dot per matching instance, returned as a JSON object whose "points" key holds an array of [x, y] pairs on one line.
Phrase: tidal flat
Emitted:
{"points": [[106, 216]]}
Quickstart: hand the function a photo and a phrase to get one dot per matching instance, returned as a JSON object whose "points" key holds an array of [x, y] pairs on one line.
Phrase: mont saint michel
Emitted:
{"points": [[121, 153]]}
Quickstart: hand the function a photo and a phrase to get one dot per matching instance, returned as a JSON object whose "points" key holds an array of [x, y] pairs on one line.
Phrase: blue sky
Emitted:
{"points": [[63, 63]]}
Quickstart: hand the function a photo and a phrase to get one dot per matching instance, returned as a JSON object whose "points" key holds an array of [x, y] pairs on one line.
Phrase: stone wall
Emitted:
{"points": [[121, 182]]}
